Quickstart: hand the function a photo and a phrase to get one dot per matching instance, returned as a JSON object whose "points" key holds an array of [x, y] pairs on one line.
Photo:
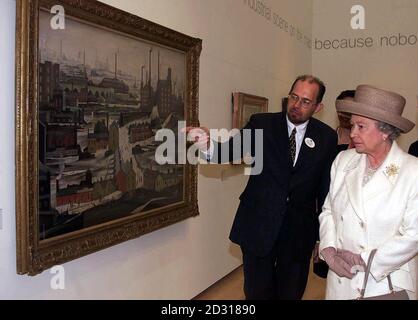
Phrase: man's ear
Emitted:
{"points": [[319, 107]]}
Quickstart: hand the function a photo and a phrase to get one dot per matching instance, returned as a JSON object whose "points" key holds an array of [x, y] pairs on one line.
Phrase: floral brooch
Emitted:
{"points": [[392, 170]]}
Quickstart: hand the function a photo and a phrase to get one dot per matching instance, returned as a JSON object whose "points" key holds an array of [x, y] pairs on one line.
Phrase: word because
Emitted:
{"points": [[344, 43]]}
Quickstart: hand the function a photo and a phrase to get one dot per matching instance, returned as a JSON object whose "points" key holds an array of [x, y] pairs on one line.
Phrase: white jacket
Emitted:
{"points": [[383, 214]]}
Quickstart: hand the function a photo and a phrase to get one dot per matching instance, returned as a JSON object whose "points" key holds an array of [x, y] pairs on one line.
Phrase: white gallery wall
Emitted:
{"points": [[254, 50], [390, 61]]}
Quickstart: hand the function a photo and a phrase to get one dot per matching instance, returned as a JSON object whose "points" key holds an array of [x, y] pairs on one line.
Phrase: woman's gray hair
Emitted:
{"points": [[388, 129]]}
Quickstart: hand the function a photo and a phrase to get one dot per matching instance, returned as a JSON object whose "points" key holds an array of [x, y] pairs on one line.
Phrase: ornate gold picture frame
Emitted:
{"points": [[93, 86]]}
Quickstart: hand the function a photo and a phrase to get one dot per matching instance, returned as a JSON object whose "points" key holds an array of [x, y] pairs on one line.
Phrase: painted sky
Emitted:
{"points": [[100, 46]]}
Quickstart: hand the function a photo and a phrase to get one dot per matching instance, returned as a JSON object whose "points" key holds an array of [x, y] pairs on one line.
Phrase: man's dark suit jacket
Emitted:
{"points": [[283, 195], [413, 149]]}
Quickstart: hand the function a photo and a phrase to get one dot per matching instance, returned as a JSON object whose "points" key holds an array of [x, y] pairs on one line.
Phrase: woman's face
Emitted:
{"points": [[365, 135]]}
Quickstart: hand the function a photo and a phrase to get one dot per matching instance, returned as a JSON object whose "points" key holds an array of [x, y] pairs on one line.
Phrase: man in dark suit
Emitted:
{"points": [[276, 224]]}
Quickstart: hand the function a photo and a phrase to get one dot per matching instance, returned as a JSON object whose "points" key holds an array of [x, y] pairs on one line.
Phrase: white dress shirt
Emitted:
{"points": [[300, 134]]}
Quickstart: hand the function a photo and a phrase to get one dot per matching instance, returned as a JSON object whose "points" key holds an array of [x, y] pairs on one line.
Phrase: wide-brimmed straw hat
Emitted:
{"points": [[379, 105]]}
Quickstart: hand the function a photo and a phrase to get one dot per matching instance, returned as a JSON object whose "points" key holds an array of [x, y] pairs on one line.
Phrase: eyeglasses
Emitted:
{"points": [[305, 103]]}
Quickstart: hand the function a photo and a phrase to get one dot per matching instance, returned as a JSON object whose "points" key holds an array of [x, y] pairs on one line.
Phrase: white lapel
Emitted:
{"points": [[385, 177], [353, 180]]}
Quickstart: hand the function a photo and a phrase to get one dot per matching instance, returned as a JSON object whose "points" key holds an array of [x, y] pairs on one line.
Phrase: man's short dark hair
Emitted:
{"points": [[346, 94], [311, 79]]}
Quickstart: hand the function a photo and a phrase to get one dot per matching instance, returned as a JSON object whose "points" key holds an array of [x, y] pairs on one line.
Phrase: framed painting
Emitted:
{"points": [[244, 106], [94, 85]]}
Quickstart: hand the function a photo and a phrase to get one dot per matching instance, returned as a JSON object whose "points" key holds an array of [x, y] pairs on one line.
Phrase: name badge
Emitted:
{"points": [[310, 143]]}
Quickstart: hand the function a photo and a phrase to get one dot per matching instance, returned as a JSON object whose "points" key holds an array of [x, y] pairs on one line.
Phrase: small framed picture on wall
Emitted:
{"points": [[244, 106]]}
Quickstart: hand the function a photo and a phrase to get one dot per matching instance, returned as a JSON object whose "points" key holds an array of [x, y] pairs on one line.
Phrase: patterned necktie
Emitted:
{"points": [[292, 141]]}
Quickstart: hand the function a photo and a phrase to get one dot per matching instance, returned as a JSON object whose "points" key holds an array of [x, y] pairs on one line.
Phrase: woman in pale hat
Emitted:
{"points": [[372, 202]]}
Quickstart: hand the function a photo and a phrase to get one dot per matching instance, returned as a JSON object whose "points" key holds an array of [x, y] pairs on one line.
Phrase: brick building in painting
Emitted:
{"points": [[140, 132]]}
